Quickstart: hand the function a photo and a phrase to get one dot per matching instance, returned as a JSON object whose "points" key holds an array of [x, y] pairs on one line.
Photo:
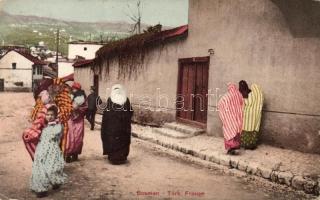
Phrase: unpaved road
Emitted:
{"points": [[151, 168]]}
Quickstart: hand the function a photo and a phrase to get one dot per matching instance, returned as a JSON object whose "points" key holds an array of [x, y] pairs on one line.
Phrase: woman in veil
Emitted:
{"points": [[116, 126]]}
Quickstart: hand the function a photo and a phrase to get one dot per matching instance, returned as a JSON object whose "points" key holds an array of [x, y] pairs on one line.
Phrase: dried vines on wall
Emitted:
{"points": [[129, 52]]}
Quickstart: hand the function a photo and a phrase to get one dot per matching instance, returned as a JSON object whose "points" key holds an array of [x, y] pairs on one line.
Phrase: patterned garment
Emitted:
{"points": [[231, 114], [47, 168], [74, 139], [31, 135], [252, 117], [249, 139]]}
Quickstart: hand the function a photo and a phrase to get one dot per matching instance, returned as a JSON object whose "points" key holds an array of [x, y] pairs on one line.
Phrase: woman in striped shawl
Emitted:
{"points": [[231, 114], [251, 114], [32, 135]]}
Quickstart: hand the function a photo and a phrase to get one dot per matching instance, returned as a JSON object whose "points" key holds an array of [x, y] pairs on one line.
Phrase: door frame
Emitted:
{"points": [[2, 83], [181, 62]]}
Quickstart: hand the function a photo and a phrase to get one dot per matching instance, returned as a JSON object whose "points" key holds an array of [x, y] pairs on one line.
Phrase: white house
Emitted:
{"points": [[19, 70], [87, 50], [78, 50], [65, 68]]}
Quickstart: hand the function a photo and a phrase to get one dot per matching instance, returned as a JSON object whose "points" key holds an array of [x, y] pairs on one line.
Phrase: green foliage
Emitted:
{"points": [[29, 31]]}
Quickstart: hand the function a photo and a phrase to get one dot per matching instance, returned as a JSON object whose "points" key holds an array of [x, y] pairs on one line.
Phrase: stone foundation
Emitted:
{"points": [[152, 118]]}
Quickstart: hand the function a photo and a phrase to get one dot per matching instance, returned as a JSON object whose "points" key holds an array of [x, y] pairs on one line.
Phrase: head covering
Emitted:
{"points": [[230, 112], [231, 87], [244, 88], [118, 94], [76, 85], [43, 85], [45, 97], [252, 109]]}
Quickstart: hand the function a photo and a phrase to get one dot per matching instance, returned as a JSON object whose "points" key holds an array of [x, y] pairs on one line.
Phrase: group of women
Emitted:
{"points": [[57, 131], [72, 117], [240, 112]]}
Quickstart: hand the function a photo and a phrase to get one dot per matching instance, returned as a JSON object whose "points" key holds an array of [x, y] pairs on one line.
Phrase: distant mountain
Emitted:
{"points": [[22, 19], [30, 30]]}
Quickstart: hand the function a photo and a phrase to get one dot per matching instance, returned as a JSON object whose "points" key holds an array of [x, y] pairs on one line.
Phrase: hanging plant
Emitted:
{"points": [[130, 52]]}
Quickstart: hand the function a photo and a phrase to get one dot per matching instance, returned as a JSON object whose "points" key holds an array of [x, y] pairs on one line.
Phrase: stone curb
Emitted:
{"points": [[295, 181]]}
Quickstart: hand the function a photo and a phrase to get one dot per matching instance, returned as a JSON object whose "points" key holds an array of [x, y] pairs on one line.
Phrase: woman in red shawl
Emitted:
{"points": [[231, 114], [74, 139]]}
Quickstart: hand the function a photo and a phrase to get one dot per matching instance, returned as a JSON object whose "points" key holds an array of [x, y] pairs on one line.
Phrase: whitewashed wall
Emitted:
{"points": [[84, 76], [65, 69], [78, 50], [251, 41], [22, 73]]}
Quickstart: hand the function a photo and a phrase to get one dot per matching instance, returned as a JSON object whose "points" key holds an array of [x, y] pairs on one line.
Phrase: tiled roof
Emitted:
{"points": [[69, 77], [87, 42], [30, 57], [83, 63], [150, 38], [143, 40]]}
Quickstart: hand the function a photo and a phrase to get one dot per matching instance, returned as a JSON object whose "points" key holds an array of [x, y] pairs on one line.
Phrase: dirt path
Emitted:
{"points": [[151, 169]]}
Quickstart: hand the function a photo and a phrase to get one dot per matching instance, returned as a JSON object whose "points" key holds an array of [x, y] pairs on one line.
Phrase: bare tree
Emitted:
{"points": [[136, 18]]}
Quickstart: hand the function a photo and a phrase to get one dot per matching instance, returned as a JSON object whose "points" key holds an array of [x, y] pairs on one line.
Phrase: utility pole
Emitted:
{"points": [[101, 40], [57, 50]]}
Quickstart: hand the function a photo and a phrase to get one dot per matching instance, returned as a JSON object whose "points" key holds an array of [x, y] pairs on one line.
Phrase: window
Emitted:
{"points": [[39, 70], [85, 49], [19, 84], [14, 65]]}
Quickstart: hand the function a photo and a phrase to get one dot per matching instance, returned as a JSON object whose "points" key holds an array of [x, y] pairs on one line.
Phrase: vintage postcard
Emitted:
{"points": [[149, 99]]}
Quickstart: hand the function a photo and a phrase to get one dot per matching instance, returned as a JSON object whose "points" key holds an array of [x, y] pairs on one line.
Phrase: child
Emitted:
{"points": [[47, 168]]}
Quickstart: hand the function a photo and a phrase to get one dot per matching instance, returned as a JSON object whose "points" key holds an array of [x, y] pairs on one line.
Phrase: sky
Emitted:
{"points": [[167, 12]]}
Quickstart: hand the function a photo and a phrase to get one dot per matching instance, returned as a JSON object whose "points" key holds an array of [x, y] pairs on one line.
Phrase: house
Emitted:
{"points": [[19, 71], [65, 68], [83, 70], [5, 49], [85, 49], [78, 50], [274, 43]]}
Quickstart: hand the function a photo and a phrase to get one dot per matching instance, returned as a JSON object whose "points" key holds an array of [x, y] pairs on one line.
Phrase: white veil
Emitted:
{"points": [[118, 94]]}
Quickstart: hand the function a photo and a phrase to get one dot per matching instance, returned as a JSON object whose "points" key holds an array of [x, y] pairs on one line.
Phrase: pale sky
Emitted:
{"points": [[167, 12]]}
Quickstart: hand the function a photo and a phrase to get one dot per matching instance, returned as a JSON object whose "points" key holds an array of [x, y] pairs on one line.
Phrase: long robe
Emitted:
{"points": [[252, 117], [47, 168], [253, 109], [231, 114], [74, 139], [116, 130]]}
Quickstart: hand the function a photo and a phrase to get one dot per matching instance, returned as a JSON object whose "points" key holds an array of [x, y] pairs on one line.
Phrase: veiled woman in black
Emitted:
{"points": [[116, 126]]}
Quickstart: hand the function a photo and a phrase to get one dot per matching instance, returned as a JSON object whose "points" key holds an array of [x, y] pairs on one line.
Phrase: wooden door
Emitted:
{"points": [[192, 100], [1, 85]]}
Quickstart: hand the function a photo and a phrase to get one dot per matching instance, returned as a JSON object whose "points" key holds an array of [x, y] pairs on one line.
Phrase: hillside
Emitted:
{"points": [[30, 30]]}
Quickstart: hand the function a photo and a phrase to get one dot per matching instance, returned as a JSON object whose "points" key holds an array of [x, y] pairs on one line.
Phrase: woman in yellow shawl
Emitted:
{"points": [[253, 102]]}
